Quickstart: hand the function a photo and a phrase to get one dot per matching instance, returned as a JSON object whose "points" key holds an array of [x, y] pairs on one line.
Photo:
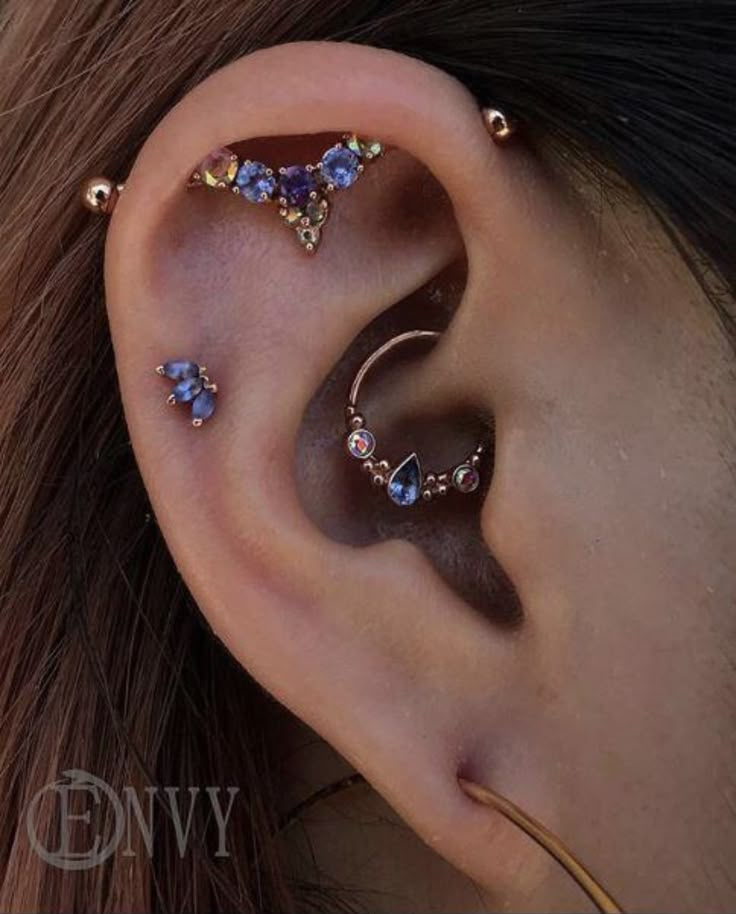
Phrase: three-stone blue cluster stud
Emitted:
{"points": [[192, 386], [301, 192]]}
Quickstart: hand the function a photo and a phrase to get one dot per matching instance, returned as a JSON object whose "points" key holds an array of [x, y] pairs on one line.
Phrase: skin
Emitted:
{"points": [[608, 711]]}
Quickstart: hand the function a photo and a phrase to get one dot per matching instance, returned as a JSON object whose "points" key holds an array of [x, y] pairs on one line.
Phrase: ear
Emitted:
{"points": [[368, 638]]}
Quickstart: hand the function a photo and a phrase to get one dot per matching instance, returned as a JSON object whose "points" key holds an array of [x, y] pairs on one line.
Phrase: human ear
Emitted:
{"points": [[366, 637], [369, 645]]}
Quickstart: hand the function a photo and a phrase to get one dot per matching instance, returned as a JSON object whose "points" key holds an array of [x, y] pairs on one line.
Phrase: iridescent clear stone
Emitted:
{"points": [[365, 149], [405, 483], [361, 444], [293, 215], [219, 168], [340, 167], [309, 237], [466, 478], [255, 181], [317, 211]]}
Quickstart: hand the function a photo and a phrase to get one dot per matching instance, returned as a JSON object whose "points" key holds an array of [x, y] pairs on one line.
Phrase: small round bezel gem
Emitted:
{"points": [[466, 478], [361, 444]]}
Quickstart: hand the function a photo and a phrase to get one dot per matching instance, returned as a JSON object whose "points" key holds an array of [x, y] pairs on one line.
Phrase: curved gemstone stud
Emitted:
{"points": [[405, 483], [300, 191], [193, 386]]}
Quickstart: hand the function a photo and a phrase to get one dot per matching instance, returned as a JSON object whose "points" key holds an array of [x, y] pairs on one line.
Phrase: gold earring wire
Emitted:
{"points": [[548, 841]]}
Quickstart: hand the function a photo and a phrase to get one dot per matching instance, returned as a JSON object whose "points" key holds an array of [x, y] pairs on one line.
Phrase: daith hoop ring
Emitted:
{"points": [[405, 482]]}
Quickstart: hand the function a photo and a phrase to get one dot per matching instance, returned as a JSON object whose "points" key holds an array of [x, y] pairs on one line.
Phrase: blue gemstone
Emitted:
{"points": [[296, 184], [187, 389], [179, 369], [204, 405], [254, 182], [340, 167], [405, 484]]}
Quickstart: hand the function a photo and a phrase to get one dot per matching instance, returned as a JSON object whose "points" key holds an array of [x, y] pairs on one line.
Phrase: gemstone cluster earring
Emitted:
{"points": [[192, 386], [405, 483], [301, 191]]}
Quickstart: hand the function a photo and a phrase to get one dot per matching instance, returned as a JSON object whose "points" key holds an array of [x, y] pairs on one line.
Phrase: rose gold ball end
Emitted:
{"points": [[500, 127], [100, 195]]}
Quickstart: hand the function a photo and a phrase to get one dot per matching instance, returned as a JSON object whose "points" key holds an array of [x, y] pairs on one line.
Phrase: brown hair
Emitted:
{"points": [[106, 663]]}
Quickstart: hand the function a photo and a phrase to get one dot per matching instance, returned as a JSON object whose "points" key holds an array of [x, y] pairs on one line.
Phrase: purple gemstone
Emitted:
{"points": [[187, 389], [296, 184], [204, 405], [179, 369]]}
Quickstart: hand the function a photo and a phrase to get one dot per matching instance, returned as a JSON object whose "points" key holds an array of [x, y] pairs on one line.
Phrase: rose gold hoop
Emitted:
{"points": [[405, 483]]}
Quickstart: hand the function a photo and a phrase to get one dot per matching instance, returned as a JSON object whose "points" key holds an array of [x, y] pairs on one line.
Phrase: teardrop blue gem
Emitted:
{"points": [[180, 369], [204, 405], [187, 390], [405, 484]]}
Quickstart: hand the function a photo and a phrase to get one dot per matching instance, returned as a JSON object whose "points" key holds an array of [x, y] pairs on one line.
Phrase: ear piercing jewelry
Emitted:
{"points": [[301, 191], [405, 482], [500, 127], [603, 900], [192, 386]]}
